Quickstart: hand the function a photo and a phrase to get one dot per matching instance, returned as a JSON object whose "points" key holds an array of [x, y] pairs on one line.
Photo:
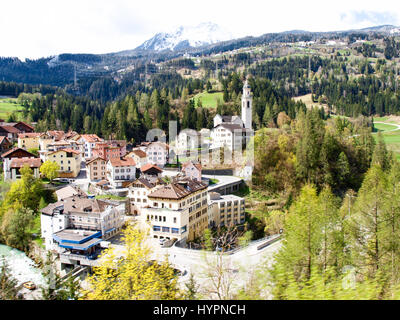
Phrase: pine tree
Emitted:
{"points": [[368, 222], [8, 285]]}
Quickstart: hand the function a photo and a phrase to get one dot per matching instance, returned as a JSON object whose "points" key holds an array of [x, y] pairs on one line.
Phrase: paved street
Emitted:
{"points": [[241, 264]]}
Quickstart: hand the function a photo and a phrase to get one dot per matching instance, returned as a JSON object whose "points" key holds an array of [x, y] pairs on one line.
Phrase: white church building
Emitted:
{"points": [[234, 132]]}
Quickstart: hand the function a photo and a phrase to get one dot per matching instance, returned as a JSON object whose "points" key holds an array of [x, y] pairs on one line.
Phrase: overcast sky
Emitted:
{"points": [[41, 28]]}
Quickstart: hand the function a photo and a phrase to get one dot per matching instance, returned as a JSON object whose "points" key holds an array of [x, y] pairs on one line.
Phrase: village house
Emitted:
{"points": [[192, 170], [157, 153], [120, 170], [68, 160], [139, 190], [5, 144], [106, 151], [17, 164], [139, 156], [177, 210], [76, 226], [29, 140], [89, 141], [10, 132], [24, 127], [120, 144], [96, 169], [150, 171], [8, 156]]}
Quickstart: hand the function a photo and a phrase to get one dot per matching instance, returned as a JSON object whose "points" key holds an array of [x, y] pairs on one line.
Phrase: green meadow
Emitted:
{"points": [[7, 106], [391, 138], [209, 100]]}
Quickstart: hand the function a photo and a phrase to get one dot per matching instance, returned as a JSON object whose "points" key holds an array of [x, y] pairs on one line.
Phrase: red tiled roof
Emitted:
{"points": [[25, 124], [122, 162], [29, 135], [197, 165], [10, 129], [89, 161], [139, 153], [65, 150], [148, 166], [20, 162], [91, 137]]}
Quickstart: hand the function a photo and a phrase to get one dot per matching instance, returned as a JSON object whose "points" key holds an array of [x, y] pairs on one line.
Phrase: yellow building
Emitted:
{"points": [[69, 161], [178, 210], [44, 140], [29, 141]]}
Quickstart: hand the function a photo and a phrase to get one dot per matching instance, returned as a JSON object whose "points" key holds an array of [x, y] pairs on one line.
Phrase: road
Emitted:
{"points": [[240, 266], [392, 124]]}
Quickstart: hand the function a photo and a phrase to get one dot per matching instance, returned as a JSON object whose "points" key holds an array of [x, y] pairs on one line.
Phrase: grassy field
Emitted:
{"points": [[209, 100], [7, 106], [391, 138], [383, 127]]}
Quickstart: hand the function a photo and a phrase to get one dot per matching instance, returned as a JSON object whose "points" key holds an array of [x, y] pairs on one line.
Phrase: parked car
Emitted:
{"points": [[166, 242], [29, 285]]}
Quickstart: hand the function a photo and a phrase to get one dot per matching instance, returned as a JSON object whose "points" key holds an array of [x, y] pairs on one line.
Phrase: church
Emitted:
{"points": [[234, 132]]}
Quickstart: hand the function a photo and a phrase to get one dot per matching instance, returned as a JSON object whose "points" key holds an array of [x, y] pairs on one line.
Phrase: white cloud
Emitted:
{"points": [[44, 27]]}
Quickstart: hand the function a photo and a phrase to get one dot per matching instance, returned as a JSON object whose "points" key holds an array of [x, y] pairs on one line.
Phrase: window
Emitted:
{"points": [[156, 228], [174, 219]]}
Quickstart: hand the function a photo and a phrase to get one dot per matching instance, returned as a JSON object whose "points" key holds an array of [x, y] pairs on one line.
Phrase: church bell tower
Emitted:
{"points": [[247, 105]]}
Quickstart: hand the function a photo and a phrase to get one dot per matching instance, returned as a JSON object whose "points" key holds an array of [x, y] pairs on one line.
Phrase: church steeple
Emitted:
{"points": [[247, 105]]}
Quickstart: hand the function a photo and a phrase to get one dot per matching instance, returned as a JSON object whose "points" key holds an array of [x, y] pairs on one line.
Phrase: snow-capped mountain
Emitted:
{"points": [[185, 37]]}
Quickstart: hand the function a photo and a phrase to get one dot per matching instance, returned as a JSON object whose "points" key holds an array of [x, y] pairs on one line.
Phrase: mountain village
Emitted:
{"points": [[105, 184]]}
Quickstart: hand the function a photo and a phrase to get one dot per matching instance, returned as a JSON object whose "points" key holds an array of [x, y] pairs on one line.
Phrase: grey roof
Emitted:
{"points": [[231, 126], [77, 204], [178, 189]]}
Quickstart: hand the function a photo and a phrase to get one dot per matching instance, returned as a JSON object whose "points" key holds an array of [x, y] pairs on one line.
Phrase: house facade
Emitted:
{"points": [[177, 210], [89, 142], [10, 132], [17, 164], [5, 144], [96, 169], [29, 140], [76, 226], [225, 210], [192, 170], [69, 161], [8, 156], [106, 151], [120, 170], [157, 153], [139, 156]]}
